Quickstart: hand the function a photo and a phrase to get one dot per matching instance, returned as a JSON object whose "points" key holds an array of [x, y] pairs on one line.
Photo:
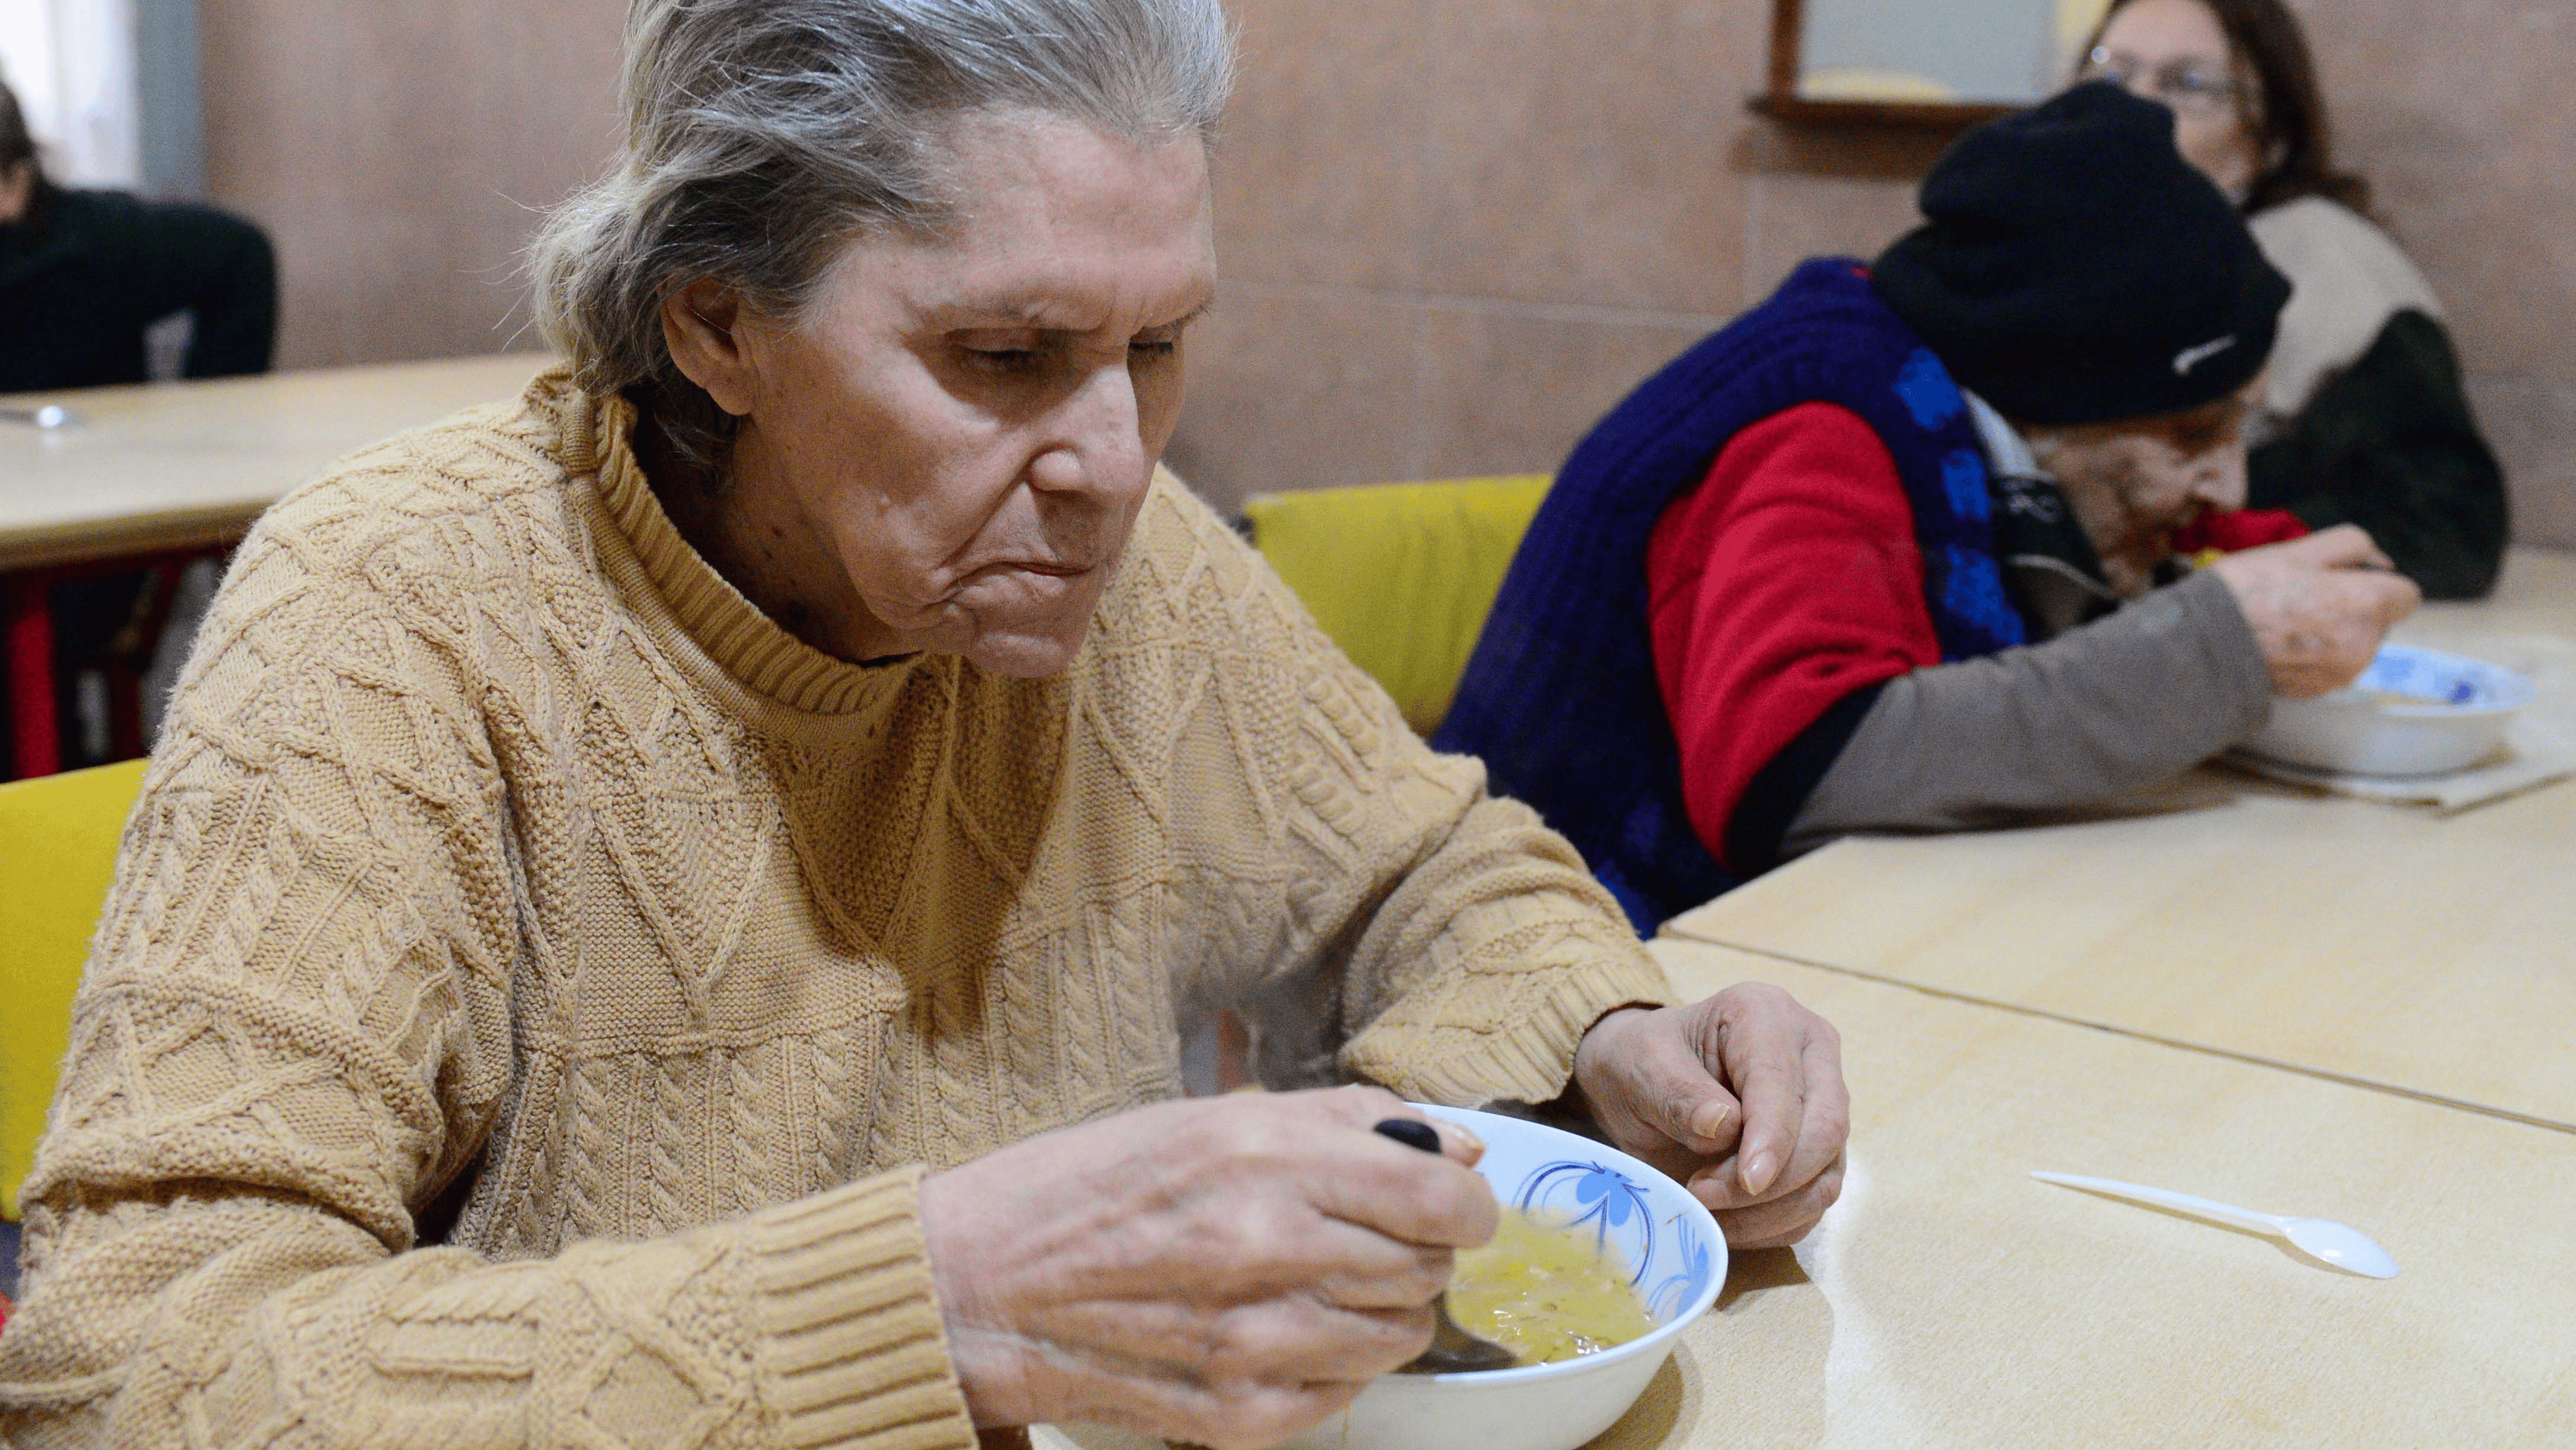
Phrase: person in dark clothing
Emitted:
{"points": [[2362, 419], [83, 274]]}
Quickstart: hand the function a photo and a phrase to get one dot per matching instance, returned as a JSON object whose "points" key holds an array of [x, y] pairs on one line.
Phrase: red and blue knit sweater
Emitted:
{"points": [[1561, 698], [1781, 593], [1727, 571]]}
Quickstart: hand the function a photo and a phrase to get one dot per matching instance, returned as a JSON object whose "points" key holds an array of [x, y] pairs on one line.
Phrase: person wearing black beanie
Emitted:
{"points": [[2073, 269], [1929, 544], [2077, 275]]}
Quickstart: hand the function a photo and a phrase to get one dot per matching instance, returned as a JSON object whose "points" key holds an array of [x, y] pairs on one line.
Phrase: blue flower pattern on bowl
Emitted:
{"points": [[1576, 1194], [2433, 678], [1582, 1194], [1680, 1289]]}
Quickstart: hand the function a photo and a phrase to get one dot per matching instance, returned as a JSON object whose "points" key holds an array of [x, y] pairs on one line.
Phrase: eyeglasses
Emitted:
{"points": [[2191, 87]]}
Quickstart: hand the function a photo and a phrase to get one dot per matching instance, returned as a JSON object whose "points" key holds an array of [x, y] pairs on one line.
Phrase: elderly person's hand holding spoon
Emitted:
{"points": [[1227, 1271], [1231, 1271]]}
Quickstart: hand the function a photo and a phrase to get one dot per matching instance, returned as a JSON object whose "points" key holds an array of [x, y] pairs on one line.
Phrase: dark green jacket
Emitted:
{"points": [[2389, 444]]}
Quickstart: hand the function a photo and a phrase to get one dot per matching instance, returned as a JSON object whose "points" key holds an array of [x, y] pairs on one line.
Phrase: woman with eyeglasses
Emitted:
{"points": [[2362, 418]]}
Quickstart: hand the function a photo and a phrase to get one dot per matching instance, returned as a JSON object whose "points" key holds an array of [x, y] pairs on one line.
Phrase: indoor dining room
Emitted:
{"points": [[1417, 725]]}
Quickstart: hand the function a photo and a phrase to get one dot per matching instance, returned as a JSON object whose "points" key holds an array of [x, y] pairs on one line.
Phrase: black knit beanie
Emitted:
{"points": [[2075, 269]]}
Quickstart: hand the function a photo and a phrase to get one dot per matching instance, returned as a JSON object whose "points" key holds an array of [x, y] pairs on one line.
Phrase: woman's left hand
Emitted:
{"points": [[1740, 1097]]}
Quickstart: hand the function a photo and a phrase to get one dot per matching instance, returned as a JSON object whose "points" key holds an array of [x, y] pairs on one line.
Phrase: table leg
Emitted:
{"points": [[132, 659], [28, 625]]}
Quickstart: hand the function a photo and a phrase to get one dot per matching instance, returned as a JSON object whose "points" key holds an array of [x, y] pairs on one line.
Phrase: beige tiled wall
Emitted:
{"points": [[1453, 231], [397, 152], [2461, 114]]}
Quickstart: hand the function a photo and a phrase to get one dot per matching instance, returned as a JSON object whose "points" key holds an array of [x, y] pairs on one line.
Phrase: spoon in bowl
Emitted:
{"points": [[2318, 1238], [1453, 1350]]}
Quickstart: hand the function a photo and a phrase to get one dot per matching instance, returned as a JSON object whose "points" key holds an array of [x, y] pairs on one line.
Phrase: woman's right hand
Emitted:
{"points": [[2319, 606], [1225, 1271]]}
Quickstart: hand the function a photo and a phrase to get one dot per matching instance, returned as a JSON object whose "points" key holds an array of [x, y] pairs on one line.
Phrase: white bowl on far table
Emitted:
{"points": [[2413, 712], [1676, 1258]]}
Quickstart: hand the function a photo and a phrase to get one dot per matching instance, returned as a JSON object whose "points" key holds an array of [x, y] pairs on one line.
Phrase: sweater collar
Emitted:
{"points": [[746, 643]]}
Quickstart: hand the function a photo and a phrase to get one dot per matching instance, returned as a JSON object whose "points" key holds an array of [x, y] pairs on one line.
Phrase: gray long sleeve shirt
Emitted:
{"points": [[2091, 711]]}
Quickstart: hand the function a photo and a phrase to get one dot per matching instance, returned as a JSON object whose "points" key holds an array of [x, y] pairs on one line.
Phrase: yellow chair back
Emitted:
{"points": [[58, 837], [1401, 575]]}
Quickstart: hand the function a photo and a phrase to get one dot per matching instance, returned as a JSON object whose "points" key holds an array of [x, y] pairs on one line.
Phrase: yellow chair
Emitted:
{"points": [[58, 837], [1401, 575]]}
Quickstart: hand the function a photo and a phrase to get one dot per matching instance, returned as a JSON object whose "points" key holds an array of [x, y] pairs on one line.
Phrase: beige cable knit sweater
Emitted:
{"points": [[506, 882]]}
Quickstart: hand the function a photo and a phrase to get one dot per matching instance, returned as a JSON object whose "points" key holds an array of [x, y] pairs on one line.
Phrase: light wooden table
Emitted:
{"points": [[2385, 944], [176, 465], [148, 474], [1949, 1300]]}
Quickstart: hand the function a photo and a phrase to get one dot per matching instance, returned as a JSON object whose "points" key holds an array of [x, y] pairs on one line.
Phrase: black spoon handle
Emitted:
{"points": [[1453, 1350], [1411, 1132]]}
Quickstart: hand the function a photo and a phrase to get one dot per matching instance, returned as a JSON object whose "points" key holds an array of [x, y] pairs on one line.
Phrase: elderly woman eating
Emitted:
{"points": [[667, 911]]}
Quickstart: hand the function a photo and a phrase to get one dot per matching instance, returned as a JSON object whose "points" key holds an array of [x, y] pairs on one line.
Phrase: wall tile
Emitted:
{"points": [[1579, 151], [1299, 388], [1320, 177], [1791, 217], [1512, 390], [2465, 131], [400, 155], [2531, 424]]}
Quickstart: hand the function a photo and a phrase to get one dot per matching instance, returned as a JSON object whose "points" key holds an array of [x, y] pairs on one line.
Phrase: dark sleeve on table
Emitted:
{"points": [[2390, 444], [184, 258], [2114, 705]]}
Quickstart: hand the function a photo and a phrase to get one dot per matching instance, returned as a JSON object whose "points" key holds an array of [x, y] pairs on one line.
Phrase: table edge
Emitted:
{"points": [[84, 541]]}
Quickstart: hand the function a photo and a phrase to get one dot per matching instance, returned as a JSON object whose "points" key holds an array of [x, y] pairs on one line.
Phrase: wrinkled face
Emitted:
{"points": [[2132, 484], [2174, 51], [964, 428]]}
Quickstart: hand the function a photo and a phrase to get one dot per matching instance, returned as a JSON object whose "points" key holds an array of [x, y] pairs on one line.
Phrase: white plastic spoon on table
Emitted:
{"points": [[2318, 1238]]}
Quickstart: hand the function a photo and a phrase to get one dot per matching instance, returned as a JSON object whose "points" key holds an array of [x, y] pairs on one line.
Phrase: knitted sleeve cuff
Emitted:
{"points": [[853, 1349], [1522, 1053]]}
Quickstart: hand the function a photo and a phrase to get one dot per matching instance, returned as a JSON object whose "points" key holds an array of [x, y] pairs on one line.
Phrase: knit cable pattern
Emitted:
{"points": [[504, 877]]}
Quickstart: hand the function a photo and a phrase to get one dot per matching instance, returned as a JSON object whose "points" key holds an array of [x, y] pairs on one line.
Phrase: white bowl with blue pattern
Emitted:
{"points": [[1675, 1255], [2413, 712]]}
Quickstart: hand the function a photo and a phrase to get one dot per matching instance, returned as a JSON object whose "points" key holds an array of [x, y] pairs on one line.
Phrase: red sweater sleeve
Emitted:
{"points": [[1786, 581]]}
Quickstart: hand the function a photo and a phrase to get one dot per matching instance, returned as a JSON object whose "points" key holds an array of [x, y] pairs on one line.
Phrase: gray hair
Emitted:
{"points": [[764, 136]]}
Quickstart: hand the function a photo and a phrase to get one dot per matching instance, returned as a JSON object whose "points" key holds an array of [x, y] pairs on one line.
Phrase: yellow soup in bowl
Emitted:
{"points": [[1546, 1292]]}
